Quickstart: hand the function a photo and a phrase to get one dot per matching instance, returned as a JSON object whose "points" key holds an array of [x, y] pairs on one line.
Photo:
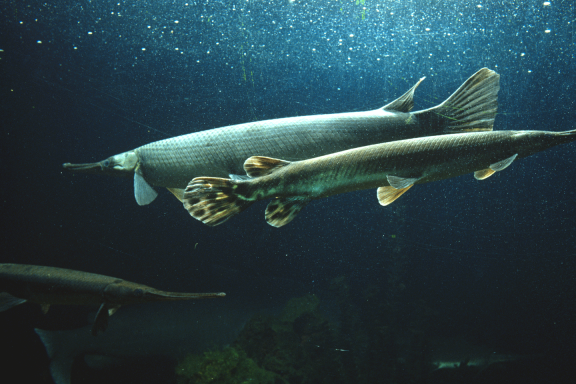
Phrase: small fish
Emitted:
{"points": [[219, 152], [457, 353], [49, 285], [392, 167]]}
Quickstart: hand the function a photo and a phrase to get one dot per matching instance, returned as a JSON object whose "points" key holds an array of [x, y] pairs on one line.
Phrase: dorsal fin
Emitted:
{"points": [[404, 103], [257, 166]]}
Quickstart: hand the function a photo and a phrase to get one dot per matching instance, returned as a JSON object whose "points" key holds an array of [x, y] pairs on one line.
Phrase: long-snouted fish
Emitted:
{"points": [[220, 152], [50, 285], [392, 167]]}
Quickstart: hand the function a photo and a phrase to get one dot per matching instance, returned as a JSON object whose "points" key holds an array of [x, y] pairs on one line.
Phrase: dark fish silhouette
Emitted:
{"points": [[50, 285]]}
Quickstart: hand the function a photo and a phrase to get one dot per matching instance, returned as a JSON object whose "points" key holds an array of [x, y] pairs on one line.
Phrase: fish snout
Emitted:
{"points": [[97, 167]]}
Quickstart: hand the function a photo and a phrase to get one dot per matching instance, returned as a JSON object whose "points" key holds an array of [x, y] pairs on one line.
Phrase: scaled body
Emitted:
{"points": [[173, 162], [392, 167], [50, 285]]}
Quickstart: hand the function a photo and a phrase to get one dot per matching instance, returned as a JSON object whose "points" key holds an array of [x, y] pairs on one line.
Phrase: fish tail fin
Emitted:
{"points": [[213, 200], [471, 108], [61, 359]]}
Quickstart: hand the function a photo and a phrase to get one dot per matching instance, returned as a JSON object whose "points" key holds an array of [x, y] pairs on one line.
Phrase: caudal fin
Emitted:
{"points": [[212, 200], [60, 354], [471, 108]]}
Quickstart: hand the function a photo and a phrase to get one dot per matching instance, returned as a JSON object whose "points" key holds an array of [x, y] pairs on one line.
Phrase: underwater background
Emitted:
{"points": [[349, 291]]}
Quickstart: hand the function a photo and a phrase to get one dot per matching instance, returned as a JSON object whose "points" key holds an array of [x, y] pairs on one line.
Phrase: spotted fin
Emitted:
{"points": [[496, 167], [387, 195], [143, 192], [212, 200], [257, 166], [282, 211]]}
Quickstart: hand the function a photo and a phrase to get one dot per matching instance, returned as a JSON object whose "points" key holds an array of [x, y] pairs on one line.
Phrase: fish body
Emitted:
{"points": [[51, 285], [456, 353], [392, 167], [219, 152]]}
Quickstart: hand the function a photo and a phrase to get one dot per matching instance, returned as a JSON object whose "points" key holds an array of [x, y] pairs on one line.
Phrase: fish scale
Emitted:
{"points": [[392, 167], [219, 152]]}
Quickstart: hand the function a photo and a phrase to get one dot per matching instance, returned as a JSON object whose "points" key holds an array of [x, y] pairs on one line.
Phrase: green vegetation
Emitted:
{"points": [[228, 366]]}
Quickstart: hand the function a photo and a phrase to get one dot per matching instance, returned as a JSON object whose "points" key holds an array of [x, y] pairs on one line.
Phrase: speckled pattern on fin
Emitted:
{"points": [[387, 195], [212, 200], [257, 166], [282, 211]]}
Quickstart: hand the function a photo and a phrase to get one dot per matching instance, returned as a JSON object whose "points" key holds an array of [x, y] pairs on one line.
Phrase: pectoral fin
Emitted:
{"points": [[387, 195], [101, 320], [282, 211], [496, 167], [143, 192]]}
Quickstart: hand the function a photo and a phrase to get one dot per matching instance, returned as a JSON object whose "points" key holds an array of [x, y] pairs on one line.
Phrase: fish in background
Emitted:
{"points": [[220, 152], [392, 167], [172, 329], [457, 353], [49, 285], [169, 330]]}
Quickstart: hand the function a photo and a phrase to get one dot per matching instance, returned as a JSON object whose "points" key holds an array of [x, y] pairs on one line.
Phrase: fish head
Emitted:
{"points": [[122, 164]]}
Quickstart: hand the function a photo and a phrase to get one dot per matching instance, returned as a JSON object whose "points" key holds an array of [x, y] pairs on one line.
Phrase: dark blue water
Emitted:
{"points": [[488, 261]]}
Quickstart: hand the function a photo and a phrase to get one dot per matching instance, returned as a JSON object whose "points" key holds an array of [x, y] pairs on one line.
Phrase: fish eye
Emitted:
{"points": [[138, 292], [106, 163]]}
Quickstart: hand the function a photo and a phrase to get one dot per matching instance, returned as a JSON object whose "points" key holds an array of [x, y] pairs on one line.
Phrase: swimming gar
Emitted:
{"points": [[392, 167], [50, 285], [220, 152]]}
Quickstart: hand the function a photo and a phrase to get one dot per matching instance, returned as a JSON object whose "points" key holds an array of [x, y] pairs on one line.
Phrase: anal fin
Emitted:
{"points": [[387, 195], [282, 211]]}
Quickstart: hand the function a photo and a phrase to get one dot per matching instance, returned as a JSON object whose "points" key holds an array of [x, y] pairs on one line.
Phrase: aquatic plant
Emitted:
{"points": [[229, 366]]}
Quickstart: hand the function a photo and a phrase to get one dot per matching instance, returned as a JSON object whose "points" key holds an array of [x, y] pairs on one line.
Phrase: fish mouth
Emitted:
{"points": [[97, 167]]}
